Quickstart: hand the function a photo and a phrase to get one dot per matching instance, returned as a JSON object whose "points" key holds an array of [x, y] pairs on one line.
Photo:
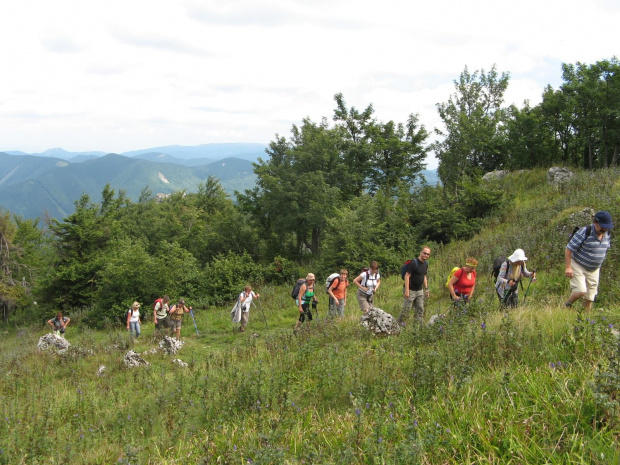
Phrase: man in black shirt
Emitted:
{"points": [[416, 287]]}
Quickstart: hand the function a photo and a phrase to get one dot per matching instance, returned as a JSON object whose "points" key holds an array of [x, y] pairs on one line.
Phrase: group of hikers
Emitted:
{"points": [[584, 255]]}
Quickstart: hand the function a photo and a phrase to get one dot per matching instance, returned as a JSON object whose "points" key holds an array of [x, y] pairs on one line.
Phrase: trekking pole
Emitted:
{"points": [[528, 286], [191, 312], [263, 311]]}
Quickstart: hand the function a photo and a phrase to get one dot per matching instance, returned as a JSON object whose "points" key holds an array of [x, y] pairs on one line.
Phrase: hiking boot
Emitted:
{"points": [[568, 304]]}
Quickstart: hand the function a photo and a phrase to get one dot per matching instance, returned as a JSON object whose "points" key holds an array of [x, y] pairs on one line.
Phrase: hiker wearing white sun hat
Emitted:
{"points": [[509, 277]]}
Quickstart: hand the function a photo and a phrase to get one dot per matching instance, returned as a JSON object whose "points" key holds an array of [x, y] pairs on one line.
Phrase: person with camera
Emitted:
{"points": [[305, 299], [367, 283], [59, 324], [176, 317]]}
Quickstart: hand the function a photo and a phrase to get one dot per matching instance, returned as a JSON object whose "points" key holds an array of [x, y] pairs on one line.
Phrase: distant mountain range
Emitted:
{"points": [[34, 185], [48, 183]]}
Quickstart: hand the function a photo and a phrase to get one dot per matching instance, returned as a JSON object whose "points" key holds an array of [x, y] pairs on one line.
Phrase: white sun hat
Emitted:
{"points": [[517, 256]]}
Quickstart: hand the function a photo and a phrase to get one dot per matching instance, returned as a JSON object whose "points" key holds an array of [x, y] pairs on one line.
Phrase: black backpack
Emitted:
{"points": [[298, 284], [577, 228], [497, 265]]}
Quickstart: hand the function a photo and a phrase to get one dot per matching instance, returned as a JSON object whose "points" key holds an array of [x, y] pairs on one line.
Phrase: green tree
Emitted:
{"points": [[81, 241], [398, 155], [474, 121], [530, 140]]}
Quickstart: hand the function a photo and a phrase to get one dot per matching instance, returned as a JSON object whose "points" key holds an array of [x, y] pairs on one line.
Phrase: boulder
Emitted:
{"points": [[133, 359], [558, 175], [380, 322], [495, 175], [170, 345], [52, 342]]}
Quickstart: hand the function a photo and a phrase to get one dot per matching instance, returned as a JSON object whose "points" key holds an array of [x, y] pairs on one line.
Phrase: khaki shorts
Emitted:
{"points": [[175, 324], [584, 280]]}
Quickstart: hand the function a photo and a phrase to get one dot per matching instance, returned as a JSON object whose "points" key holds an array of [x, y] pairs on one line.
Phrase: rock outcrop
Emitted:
{"points": [[380, 323], [557, 175], [170, 345], [133, 359], [52, 342]]}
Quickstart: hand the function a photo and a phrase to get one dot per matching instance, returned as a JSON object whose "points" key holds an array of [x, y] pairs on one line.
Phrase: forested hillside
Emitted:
{"points": [[536, 384]]}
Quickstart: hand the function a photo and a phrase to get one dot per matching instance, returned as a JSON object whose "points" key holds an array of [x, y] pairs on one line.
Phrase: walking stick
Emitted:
{"points": [[263, 311], [528, 286], [191, 312]]}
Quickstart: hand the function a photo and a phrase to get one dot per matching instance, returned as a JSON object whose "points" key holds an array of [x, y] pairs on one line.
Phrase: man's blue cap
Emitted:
{"points": [[604, 220]]}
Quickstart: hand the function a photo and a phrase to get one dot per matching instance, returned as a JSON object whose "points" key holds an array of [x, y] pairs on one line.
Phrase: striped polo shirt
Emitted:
{"points": [[589, 252]]}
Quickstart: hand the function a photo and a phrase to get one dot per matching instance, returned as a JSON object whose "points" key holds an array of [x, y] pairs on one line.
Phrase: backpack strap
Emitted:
{"points": [[588, 233]]}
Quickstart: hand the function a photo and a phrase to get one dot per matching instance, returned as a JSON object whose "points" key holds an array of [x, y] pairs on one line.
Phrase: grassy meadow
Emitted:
{"points": [[537, 384]]}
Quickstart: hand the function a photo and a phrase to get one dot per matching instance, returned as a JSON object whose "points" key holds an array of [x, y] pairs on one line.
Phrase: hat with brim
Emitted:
{"points": [[604, 220], [518, 256]]}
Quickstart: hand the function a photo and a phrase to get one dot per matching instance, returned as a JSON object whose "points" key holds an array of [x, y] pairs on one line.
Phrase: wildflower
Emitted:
{"points": [[415, 422], [483, 326], [380, 440], [448, 430], [357, 412], [235, 447], [129, 417], [552, 365], [611, 326], [367, 405]]}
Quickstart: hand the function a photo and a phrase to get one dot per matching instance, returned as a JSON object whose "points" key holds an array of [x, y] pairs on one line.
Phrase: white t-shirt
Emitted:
{"points": [[134, 315], [369, 280], [246, 300]]}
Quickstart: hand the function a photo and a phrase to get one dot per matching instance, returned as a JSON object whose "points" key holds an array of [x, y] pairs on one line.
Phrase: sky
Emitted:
{"points": [[121, 75]]}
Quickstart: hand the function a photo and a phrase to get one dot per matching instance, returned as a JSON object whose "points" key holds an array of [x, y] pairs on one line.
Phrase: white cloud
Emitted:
{"points": [[122, 75]]}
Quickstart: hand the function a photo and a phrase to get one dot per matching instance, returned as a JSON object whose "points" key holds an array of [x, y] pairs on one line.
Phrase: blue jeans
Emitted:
{"points": [[134, 326]]}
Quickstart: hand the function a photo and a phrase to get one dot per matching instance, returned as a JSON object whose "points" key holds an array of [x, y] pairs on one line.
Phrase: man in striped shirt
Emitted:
{"points": [[583, 257]]}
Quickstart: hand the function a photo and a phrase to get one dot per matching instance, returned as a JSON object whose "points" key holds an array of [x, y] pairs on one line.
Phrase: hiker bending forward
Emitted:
{"points": [[367, 283], [510, 274], [176, 317], [583, 257], [463, 282], [305, 298], [59, 324]]}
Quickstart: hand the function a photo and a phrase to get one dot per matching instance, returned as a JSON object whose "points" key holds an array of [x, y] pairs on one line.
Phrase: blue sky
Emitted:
{"points": [[120, 75]]}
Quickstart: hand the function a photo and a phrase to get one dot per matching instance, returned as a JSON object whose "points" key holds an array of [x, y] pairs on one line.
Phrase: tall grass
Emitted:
{"points": [[538, 384]]}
